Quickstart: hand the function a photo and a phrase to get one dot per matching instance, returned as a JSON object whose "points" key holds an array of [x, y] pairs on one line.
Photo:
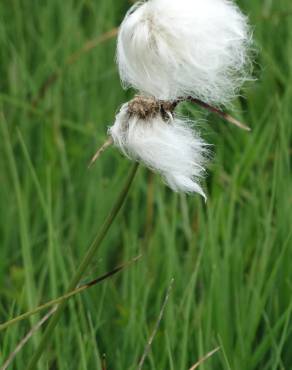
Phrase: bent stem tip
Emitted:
{"points": [[107, 144]]}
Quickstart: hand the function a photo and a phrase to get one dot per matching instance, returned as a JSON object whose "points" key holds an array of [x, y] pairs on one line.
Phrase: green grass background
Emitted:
{"points": [[231, 258]]}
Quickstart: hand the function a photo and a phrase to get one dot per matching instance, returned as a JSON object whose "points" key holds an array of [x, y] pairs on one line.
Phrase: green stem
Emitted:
{"points": [[83, 266]]}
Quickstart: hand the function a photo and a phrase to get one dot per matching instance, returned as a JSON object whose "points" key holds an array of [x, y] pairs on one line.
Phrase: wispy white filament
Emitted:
{"points": [[170, 148], [176, 48]]}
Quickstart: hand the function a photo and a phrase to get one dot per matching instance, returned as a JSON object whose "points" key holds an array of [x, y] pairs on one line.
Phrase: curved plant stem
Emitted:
{"points": [[205, 358], [56, 301], [23, 341], [83, 266], [156, 327], [227, 117], [87, 47]]}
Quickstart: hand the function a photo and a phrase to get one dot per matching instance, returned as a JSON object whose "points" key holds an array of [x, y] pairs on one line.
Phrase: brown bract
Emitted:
{"points": [[145, 107]]}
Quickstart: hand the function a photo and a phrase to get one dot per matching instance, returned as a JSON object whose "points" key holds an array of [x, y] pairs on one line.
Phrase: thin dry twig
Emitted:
{"points": [[108, 143], [22, 343], [205, 358], [72, 293], [104, 367], [153, 335], [87, 47], [92, 44], [149, 208], [227, 117]]}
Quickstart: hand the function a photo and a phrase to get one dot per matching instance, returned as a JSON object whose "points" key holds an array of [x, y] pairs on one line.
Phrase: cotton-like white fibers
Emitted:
{"points": [[169, 147], [179, 48], [171, 50]]}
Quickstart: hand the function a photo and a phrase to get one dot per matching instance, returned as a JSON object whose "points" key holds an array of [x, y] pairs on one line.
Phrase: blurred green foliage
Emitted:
{"points": [[231, 258]]}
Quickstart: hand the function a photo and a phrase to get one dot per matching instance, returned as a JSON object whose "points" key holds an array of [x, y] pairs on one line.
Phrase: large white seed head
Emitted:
{"points": [[168, 147], [176, 48]]}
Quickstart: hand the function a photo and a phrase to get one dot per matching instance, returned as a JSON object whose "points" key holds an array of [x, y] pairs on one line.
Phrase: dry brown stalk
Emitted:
{"points": [[205, 358], [108, 143], [22, 343], [158, 322], [92, 44], [104, 366], [87, 47], [227, 117]]}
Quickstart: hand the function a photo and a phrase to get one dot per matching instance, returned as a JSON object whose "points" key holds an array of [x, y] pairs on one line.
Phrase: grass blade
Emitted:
{"points": [[205, 358], [27, 337], [66, 296], [150, 341], [83, 266]]}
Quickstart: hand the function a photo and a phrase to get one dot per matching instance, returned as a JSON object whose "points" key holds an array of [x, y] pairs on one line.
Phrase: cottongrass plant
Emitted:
{"points": [[170, 51]]}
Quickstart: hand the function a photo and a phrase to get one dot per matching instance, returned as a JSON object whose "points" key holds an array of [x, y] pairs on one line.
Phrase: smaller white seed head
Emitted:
{"points": [[168, 147]]}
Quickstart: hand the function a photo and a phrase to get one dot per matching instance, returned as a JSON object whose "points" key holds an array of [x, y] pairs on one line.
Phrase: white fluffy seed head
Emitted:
{"points": [[176, 48], [170, 148]]}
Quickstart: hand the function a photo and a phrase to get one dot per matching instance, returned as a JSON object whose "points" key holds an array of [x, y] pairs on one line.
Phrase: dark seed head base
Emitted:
{"points": [[148, 107]]}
